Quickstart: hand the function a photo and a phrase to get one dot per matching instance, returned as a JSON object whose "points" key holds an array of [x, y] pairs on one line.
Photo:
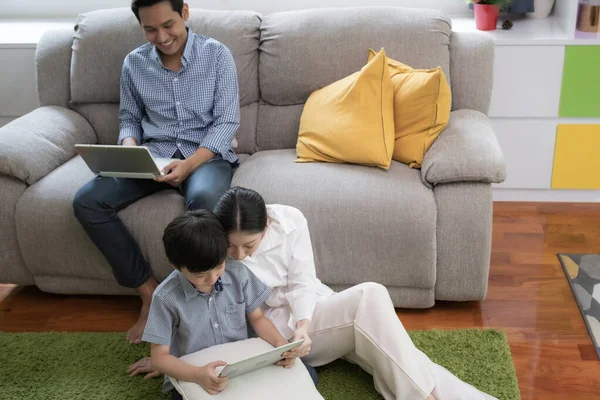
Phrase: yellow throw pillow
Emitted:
{"points": [[351, 120], [422, 101]]}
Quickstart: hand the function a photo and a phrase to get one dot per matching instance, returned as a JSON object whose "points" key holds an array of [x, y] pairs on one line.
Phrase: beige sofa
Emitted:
{"points": [[425, 234]]}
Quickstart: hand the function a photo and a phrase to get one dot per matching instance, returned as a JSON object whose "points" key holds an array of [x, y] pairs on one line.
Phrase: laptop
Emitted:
{"points": [[258, 361], [122, 161]]}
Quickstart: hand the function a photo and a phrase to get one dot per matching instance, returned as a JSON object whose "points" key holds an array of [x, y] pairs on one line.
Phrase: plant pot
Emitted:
{"points": [[486, 16], [541, 9]]}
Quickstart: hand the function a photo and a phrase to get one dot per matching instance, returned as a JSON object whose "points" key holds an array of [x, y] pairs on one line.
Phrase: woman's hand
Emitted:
{"points": [[302, 328], [143, 366], [288, 358]]}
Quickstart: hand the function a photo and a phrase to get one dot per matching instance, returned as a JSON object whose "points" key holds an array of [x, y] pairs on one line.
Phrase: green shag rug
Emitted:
{"points": [[73, 366]]}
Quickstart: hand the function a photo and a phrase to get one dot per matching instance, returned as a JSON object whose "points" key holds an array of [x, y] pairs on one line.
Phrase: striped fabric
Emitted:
{"points": [[198, 106], [189, 320]]}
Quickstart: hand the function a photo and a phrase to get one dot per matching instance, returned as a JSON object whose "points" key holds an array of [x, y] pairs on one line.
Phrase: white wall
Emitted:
{"points": [[70, 8]]}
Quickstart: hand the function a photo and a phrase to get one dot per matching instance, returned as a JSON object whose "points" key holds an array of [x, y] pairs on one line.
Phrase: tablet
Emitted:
{"points": [[258, 361]]}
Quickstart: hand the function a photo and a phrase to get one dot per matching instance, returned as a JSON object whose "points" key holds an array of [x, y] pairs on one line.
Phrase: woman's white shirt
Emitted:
{"points": [[284, 261]]}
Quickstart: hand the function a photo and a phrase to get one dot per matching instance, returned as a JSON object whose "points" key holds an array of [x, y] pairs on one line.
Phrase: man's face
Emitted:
{"points": [[164, 27]]}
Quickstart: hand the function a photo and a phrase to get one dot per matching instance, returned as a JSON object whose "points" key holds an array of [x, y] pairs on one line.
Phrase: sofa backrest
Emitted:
{"points": [[302, 51], [103, 38], [280, 58]]}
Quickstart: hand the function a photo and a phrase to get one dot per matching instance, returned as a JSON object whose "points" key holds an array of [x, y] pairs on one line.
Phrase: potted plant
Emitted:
{"points": [[486, 13]]}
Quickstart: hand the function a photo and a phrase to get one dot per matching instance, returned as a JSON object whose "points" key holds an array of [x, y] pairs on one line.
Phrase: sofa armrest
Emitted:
{"points": [[34, 145], [466, 151]]}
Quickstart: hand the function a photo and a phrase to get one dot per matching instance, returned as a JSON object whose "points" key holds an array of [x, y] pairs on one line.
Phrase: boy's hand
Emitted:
{"points": [[208, 379], [143, 366], [180, 170]]}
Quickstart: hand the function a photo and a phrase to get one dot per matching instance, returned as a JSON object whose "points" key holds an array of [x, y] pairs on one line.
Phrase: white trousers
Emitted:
{"points": [[361, 325]]}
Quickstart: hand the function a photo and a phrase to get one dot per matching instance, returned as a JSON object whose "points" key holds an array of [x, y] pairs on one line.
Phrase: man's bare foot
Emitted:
{"points": [[134, 335]]}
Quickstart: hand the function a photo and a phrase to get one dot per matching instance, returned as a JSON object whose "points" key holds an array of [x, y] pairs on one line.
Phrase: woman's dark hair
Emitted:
{"points": [[196, 240], [176, 5], [242, 210]]}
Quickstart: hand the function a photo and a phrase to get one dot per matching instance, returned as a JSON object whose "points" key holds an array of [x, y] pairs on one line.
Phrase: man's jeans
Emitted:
{"points": [[96, 205]]}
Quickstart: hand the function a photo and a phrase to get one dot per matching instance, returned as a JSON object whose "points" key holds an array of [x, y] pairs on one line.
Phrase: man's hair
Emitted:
{"points": [[176, 5], [196, 241]]}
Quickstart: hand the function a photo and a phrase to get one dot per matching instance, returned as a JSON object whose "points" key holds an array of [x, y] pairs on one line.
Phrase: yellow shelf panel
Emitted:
{"points": [[577, 157]]}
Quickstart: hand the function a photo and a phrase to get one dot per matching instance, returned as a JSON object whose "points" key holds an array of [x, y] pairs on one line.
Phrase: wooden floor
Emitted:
{"points": [[528, 297]]}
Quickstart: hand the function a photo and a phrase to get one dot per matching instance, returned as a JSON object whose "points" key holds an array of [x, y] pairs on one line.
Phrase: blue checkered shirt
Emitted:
{"points": [[188, 320], [198, 106]]}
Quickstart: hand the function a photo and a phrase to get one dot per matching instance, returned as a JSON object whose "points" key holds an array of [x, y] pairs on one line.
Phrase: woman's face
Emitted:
{"points": [[244, 244]]}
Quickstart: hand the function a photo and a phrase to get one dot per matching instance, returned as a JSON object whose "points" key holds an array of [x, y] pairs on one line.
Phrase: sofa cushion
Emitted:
{"points": [[366, 224], [422, 102], [267, 383], [35, 144], [278, 126], [103, 38], [292, 45], [54, 243], [351, 120]]}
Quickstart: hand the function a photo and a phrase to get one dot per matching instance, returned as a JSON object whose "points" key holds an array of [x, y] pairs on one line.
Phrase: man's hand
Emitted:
{"points": [[129, 141], [179, 171], [208, 379], [143, 366]]}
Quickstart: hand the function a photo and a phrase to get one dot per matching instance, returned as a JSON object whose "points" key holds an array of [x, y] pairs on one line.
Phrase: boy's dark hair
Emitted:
{"points": [[196, 240], [242, 210], [176, 5]]}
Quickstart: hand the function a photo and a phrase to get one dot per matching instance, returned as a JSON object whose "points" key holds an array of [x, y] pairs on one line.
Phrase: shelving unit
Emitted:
{"points": [[545, 107]]}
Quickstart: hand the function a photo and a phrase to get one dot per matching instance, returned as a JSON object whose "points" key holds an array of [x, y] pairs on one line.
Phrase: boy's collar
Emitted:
{"points": [[190, 291]]}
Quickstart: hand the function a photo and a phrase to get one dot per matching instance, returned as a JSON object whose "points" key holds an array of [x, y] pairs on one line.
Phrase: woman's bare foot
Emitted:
{"points": [[134, 335]]}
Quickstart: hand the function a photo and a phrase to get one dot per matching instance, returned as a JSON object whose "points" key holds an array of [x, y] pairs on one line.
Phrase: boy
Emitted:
{"points": [[204, 302], [179, 97]]}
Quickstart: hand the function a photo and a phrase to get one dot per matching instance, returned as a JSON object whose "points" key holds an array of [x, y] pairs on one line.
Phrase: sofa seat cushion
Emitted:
{"points": [[267, 383], [54, 243], [366, 224]]}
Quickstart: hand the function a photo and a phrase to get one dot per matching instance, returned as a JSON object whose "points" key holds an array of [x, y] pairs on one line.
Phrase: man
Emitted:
{"points": [[179, 97]]}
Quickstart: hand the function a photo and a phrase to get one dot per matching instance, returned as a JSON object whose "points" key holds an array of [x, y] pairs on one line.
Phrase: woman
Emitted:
{"points": [[359, 323]]}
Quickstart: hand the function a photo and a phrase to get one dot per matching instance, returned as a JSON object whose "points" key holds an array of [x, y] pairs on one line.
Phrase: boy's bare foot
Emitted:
{"points": [[134, 335]]}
